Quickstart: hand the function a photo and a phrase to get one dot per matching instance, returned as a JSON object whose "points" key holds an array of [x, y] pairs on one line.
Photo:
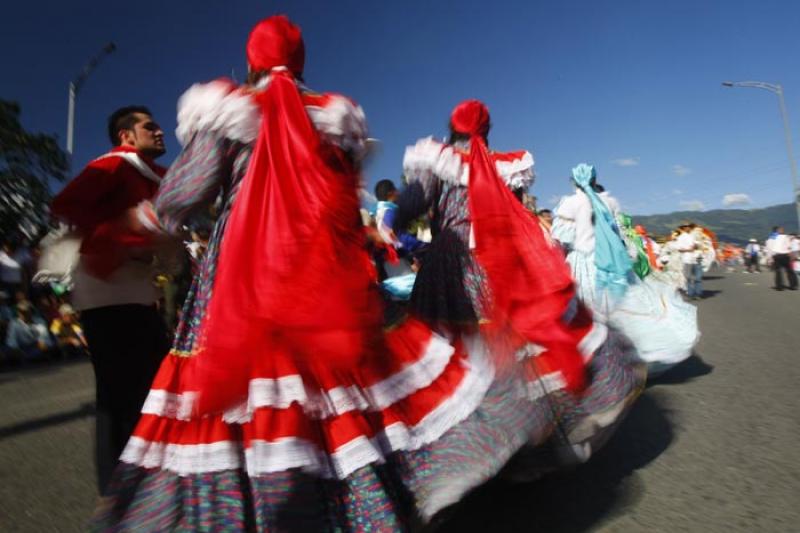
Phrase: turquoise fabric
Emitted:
{"points": [[611, 257]]}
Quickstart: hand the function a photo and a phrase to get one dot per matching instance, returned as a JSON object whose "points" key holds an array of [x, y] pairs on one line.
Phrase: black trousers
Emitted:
{"points": [[127, 344], [783, 262]]}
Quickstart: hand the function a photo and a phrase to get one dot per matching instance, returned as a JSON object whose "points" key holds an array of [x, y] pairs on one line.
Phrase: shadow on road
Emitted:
{"points": [[84, 410], [10, 371], [693, 367], [709, 294], [576, 500], [711, 278]]}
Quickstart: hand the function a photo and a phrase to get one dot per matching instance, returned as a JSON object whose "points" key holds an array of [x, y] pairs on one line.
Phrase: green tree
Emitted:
{"points": [[29, 162]]}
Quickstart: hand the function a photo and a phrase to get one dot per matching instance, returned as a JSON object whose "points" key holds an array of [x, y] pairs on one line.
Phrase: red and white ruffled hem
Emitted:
{"points": [[283, 425]]}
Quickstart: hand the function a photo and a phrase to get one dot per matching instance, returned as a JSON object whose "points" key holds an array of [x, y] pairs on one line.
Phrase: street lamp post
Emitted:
{"points": [[777, 89], [75, 86]]}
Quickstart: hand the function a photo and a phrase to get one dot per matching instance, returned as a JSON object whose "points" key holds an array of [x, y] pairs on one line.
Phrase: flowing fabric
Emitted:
{"points": [[648, 247], [294, 226], [611, 257], [510, 246]]}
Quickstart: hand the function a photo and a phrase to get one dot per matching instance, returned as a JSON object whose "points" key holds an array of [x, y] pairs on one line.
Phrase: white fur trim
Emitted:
{"points": [[342, 123], [429, 158], [517, 174], [136, 162], [217, 106]]}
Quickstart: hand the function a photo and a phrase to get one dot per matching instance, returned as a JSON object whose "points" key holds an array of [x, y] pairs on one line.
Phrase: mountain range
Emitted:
{"points": [[731, 225]]}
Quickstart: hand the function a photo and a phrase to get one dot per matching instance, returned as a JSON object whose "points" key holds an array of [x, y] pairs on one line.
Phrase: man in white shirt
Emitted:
{"points": [[781, 250], [692, 266], [114, 277]]}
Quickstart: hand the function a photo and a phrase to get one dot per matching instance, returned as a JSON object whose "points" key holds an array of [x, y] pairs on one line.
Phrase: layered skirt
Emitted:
{"points": [[661, 326], [386, 449]]}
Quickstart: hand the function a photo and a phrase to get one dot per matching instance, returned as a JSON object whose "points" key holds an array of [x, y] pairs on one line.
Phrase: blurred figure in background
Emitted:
{"points": [[27, 335], [780, 247], [68, 332], [689, 248], [546, 219], [752, 253], [11, 272]]}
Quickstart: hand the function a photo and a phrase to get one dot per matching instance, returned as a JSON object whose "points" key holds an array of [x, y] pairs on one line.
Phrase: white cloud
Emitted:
{"points": [[736, 199], [677, 192], [693, 205], [680, 170], [626, 161]]}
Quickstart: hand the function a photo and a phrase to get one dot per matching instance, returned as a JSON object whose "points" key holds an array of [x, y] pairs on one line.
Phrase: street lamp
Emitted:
{"points": [[75, 86], [777, 89]]}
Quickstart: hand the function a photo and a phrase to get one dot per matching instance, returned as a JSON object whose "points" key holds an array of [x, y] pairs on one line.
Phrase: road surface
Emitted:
{"points": [[712, 446]]}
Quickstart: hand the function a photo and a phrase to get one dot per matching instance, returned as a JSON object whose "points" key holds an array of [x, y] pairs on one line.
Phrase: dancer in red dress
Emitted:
{"points": [[284, 404]]}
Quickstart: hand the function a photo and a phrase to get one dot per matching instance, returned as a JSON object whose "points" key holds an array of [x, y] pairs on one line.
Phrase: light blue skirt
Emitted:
{"points": [[662, 327]]}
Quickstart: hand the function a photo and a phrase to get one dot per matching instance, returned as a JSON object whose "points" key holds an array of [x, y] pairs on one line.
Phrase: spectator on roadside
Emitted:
{"points": [[68, 332], [27, 335], [751, 256], [780, 248]]}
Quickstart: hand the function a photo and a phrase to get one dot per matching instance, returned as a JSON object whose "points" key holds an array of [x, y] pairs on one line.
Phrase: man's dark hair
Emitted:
{"points": [[383, 189], [544, 212], [775, 229], [123, 119]]}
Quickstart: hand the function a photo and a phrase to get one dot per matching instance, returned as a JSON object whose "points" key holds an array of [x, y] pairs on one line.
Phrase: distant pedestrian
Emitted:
{"points": [[545, 219], [780, 248], [692, 262], [752, 253]]}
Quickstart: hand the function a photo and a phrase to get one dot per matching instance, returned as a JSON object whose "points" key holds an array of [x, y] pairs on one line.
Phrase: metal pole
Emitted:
{"points": [[788, 136], [778, 89], [74, 87], [70, 117]]}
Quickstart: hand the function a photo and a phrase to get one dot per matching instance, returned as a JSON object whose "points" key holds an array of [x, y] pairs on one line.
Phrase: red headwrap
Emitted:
{"points": [[276, 42], [530, 281], [293, 287], [470, 117]]}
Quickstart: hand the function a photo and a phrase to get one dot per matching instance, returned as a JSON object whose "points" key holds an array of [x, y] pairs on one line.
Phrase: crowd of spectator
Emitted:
{"points": [[37, 321]]}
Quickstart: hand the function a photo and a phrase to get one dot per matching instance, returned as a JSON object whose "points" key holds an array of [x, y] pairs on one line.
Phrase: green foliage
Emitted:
{"points": [[730, 225], [28, 163]]}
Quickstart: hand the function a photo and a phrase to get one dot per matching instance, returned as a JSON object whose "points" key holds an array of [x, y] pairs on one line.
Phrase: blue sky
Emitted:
{"points": [[630, 86]]}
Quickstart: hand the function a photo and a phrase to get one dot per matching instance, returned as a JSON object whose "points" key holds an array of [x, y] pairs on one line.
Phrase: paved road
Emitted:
{"points": [[711, 446]]}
